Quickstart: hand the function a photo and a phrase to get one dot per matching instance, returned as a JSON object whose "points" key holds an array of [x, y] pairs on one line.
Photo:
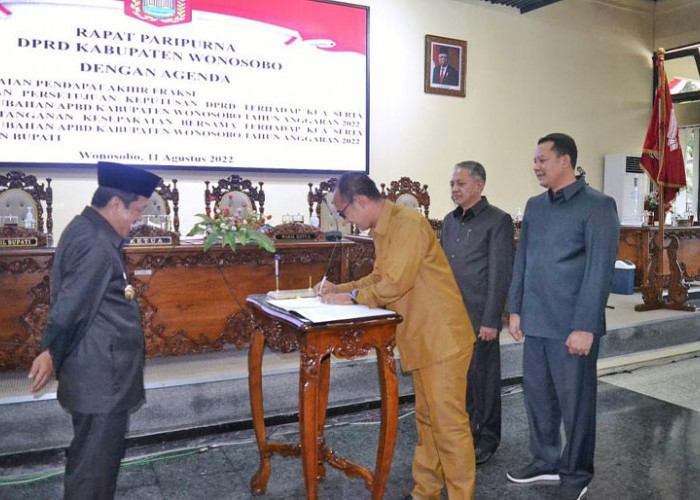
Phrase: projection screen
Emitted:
{"points": [[274, 85]]}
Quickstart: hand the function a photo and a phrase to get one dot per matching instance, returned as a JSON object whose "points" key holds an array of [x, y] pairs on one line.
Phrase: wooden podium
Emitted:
{"points": [[283, 331]]}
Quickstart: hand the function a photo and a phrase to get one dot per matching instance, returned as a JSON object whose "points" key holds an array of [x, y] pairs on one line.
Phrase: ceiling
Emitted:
{"points": [[524, 5]]}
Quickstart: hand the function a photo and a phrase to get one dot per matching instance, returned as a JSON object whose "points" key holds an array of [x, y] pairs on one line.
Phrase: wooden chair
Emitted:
{"points": [[234, 193], [327, 213], [164, 203], [20, 195], [436, 224], [409, 193], [161, 216]]}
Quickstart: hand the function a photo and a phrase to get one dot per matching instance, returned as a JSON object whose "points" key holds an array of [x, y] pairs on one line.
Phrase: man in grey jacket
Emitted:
{"points": [[562, 276], [478, 240], [93, 338]]}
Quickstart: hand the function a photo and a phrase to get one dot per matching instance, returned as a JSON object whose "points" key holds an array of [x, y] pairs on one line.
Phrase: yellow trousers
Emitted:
{"points": [[445, 451]]}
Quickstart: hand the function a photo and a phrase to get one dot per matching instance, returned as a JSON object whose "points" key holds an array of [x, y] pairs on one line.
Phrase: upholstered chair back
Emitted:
{"points": [[14, 202]]}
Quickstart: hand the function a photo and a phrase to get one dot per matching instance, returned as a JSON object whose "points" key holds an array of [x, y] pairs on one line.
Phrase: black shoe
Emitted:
{"points": [[570, 492], [483, 455], [531, 474]]}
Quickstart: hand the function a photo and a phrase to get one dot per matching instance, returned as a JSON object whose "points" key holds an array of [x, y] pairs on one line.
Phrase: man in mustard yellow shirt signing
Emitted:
{"points": [[411, 276]]}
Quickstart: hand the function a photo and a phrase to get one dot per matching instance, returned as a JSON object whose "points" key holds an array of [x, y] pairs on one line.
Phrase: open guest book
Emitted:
{"points": [[316, 311]]}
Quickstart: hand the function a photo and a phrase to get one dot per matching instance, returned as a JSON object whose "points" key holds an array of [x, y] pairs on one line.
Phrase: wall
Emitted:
{"points": [[579, 66]]}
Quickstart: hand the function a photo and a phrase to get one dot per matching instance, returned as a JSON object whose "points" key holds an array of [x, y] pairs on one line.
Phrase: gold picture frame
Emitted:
{"points": [[445, 66]]}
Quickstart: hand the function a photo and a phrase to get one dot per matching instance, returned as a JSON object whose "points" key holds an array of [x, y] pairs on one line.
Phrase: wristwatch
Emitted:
{"points": [[353, 295]]}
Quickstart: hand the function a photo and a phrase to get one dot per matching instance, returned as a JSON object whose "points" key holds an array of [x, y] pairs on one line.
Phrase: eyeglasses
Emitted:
{"points": [[342, 212]]}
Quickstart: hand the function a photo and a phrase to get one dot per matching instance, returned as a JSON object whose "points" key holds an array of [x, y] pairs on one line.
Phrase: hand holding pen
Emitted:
{"points": [[323, 287]]}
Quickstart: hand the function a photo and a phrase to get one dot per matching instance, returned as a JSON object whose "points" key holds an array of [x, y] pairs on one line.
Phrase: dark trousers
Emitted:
{"points": [[560, 387], [94, 455], [484, 394]]}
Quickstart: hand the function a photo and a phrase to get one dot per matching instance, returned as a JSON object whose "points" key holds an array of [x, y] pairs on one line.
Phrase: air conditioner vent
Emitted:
{"points": [[632, 165]]}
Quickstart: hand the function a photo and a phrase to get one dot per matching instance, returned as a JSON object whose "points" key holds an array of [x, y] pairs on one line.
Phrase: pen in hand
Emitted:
{"points": [[323, 282]]}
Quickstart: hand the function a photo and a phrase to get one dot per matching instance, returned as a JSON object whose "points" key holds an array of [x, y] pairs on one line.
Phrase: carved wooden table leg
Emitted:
{"points": [[389, 426], [315, 343], [258, 484], [308, 418], [324, 385]]}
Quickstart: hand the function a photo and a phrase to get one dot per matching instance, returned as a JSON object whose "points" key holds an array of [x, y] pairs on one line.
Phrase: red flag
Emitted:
{"points": [[662, 157]]}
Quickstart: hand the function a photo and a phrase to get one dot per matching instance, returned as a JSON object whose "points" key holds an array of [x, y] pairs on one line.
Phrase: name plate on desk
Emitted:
{"points": [[19, 242], [144, 241], [296, 237], [295, 231]]}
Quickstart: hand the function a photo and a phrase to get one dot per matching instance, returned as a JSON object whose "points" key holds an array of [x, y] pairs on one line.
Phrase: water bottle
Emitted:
{"points": [[29, 221]]}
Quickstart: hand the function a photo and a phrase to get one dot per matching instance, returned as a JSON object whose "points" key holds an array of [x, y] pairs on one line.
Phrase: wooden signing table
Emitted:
{"points": [[286, 332]]}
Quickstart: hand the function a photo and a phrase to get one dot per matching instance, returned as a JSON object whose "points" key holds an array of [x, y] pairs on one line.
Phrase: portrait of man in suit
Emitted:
{"points": [[445, 66], [444, 73]]}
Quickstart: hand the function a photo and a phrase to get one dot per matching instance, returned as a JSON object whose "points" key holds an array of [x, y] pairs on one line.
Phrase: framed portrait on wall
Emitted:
{"points": [[445, 66]]}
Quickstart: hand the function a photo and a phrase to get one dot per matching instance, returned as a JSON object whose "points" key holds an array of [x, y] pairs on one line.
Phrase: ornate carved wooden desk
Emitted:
{"points": [[285, 332], [186, 304], [635, 246]]}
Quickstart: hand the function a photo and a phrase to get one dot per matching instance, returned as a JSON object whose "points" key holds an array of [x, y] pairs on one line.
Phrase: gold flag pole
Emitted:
{"points": [[652, 290], [662, 130]]}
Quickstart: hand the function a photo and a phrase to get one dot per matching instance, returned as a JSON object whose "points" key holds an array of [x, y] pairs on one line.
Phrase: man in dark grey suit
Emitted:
{"points": [[478, 240], [93, 338], [562, 276]]}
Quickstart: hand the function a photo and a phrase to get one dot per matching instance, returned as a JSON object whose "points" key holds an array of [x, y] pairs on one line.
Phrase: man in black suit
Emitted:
{"points": [[93, 338], [443, 73], [478, 240]]}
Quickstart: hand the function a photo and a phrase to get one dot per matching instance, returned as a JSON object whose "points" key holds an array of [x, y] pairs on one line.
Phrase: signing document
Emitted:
{"points": [[316, 311]]}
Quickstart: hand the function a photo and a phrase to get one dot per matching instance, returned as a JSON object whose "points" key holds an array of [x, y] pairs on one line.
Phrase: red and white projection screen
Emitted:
{"points": [[275, 85]]}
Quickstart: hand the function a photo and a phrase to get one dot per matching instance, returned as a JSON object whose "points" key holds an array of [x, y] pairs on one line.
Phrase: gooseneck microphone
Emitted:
{"points": [[330, 260], [333, 235]]}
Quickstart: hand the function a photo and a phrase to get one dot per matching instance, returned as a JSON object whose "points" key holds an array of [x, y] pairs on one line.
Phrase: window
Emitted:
{"points": [[686, 203], [682, 67]]}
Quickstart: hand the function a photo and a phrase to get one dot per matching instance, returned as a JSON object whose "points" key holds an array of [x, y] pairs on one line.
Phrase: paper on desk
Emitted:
{"points": [[316, 311]]}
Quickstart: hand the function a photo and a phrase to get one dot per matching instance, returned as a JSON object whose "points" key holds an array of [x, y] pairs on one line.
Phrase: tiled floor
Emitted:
{"points": [[648, 448]]}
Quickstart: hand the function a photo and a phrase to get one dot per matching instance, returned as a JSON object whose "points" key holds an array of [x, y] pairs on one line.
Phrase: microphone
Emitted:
{"points": [[332, 235]]}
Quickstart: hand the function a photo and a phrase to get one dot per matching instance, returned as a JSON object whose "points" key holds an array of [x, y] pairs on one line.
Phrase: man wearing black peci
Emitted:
{"points": [[444, 73], [93, 338]]}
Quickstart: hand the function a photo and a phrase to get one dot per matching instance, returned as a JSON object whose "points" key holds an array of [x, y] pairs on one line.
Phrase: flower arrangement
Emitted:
{"points": [[651, 201], [232, 228]]}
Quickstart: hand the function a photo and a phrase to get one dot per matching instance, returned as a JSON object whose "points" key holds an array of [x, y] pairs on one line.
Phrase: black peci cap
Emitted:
{"points": [[126, 178]]}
